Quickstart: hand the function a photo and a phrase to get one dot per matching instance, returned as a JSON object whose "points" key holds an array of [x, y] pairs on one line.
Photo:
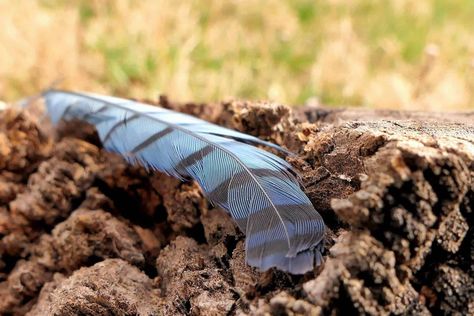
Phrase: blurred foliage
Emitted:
{"points": [[395, 53]]}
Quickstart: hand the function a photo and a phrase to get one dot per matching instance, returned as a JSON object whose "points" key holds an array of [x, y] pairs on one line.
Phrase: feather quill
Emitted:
{"points": [[258, 189]]}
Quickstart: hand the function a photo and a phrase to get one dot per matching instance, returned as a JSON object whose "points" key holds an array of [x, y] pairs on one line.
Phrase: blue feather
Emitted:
{"points": [[257, 188]]}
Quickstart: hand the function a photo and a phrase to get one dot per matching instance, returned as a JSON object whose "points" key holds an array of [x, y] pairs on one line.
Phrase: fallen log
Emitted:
{"points": [[395, 189]]}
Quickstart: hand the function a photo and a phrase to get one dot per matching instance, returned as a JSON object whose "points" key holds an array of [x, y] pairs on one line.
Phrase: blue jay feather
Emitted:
{"points": [[258, 189]]}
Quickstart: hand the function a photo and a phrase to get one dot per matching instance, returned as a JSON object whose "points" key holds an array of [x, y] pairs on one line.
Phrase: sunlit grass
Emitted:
{"points": [[397, 53]]}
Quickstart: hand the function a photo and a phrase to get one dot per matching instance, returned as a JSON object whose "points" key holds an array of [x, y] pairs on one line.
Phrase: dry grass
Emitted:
{"points": [[398, 53]]}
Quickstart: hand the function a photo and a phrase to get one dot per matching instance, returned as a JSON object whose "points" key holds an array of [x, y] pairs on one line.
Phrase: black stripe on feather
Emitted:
{"points": [[150, 140], [192, 158], [117, 125]]}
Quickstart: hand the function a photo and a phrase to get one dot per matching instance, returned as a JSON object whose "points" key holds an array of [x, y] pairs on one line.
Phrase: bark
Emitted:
{"points": [[83, 232]]}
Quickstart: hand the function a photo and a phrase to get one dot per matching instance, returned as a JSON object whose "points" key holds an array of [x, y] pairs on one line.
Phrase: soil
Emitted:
{"points": [[84, 233]]}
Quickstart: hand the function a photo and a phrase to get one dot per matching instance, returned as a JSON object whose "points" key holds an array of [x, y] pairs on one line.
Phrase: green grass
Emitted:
{"points": [[288, 51]]}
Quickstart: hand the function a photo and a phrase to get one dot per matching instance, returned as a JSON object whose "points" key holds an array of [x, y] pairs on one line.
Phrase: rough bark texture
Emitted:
{"points": [[82, 232]]}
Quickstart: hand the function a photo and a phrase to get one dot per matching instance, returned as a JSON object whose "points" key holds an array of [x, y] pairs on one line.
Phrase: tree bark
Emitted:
{"points": [[396, 190]]}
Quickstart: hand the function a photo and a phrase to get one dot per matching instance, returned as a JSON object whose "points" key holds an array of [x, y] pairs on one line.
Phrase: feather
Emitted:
{"points": [[258, 189]]}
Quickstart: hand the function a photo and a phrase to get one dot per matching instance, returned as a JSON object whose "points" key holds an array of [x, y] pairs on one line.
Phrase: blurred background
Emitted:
{"points": [[399, 54]]}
